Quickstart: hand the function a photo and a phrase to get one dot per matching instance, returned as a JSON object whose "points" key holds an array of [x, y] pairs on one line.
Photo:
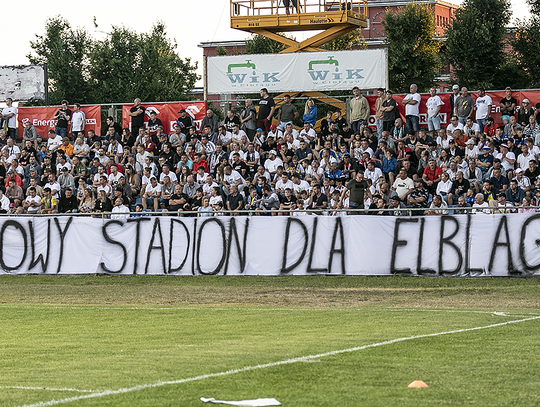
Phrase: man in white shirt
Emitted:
{"points": [[480, 205], [120, 211], [54, 186], [9, 113], [454, 125], [237, 133], [307, 133], [283, 183], [32, 203], [272, 163], [482, 105], [14, 152], [232, 177], [433, 105], [403, 185], [373, 173], [78, 120], [4, 203], [412, 108], [54, 141], [166, 172], [152, 193], [508, 159]]}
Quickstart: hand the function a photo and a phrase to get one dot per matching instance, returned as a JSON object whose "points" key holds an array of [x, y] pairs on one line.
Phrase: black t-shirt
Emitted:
{"points": [[63, 114], [137, 121], [186, 121], [265, 105], [153, 125], [357, 190], [229, 123], [290, 201], [241, 167], [460, 188], [532, 174], [507, 103], [391, 115]]}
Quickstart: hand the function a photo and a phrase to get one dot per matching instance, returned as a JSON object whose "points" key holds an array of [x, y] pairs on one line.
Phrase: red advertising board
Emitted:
{"points": [[168, 113], [43, 118], [532, 95]]}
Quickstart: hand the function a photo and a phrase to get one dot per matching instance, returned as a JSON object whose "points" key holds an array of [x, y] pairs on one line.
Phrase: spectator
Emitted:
{"points": [[310, 113], [463, 106], [137, 116], [419, 197], [119, 211], [514, 194], [269, 200], [48, 202], [234, 200], [507, 105], [152, 194], [32, 203], [78, 120], [358, 111], [438, 206], [412, 108], [68, 203]]}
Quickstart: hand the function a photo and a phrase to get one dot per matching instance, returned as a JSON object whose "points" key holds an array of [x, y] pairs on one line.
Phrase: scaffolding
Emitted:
{"points": [[271, 18]]}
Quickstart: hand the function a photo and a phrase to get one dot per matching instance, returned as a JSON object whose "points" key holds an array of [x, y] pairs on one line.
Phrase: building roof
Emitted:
{"points": [[214, 44]]}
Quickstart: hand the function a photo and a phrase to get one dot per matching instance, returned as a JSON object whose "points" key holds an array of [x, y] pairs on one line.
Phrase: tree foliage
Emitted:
{"points": [[412, 49], [526, 44], [475, 43], [126, 65], [259, 44], [119, 68], [353, 39], [64, 50]]}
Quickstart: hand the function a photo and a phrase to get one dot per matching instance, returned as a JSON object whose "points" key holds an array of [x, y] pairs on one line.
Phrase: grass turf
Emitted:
{"points": [[97, 333]]}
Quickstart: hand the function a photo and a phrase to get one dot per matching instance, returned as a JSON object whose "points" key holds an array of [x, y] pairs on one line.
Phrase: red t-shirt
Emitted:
{"points": [[433, 174]]}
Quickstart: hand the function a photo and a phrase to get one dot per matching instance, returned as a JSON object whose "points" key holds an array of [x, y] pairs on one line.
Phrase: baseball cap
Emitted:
{"points": [[12, 205], [470, 142], [273, 126], [519, 170], [501, 195], [65, 169], [525, 101], [182, 111], [272, 152], [259, 130], [455, 87], [504, 145]]}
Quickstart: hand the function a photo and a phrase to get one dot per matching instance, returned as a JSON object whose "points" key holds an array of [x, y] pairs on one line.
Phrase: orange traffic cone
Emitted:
{"points": [[417, 384]]}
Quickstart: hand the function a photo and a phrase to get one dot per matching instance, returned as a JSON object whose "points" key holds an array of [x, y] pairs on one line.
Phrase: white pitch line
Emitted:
{"points": [[48, 388], [272, 364]]}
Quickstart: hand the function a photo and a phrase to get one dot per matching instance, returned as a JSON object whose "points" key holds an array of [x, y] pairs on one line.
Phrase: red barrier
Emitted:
{"points": [[168, 113], [43, 118], [532, 95]]}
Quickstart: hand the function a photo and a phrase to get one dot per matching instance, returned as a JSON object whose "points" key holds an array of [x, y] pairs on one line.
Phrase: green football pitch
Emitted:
{"points": [[305, 341]]}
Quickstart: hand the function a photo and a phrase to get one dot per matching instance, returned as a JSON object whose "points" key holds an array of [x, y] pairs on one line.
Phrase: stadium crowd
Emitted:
{"points": [[247, 162]]}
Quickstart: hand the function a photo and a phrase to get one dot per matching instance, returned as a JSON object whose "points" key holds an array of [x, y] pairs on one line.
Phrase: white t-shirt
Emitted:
{"points": [[54, 186], [116, 149], [114, 178], [271, 166], [120, 212], [413, 110], [506, 165], [150, 190], [12, 121], [304, 135], [240, 152], [172, 176], [303, 186], [225, 138], [284, 186], [54, 142], [444, 143], [432, 104], [450, 128], [239, 135], [77, 120], [13, 151], [483, 208], [402, 186], [233, 178], [36, 199], [373, 175], [483, 107]]}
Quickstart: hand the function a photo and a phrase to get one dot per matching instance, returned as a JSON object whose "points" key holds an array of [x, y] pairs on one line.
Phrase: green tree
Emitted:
{"points": [[126, 65], [119, 68], [526, 44], [353, 39], [64, 50], [412, 49], [475, 42], [259, 44]]}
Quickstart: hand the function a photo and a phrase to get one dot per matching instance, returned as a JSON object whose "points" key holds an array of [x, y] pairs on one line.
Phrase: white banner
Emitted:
{"points": [[496, 245], [305, 71], [22, 82]]}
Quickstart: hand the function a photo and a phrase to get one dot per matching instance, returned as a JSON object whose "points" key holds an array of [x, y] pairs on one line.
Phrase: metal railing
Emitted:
{"points": [[256, 8], [287, 212]]}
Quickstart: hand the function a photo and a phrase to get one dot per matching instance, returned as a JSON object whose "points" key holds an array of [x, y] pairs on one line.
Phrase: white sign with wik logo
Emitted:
{"points": [[307, 71]]}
